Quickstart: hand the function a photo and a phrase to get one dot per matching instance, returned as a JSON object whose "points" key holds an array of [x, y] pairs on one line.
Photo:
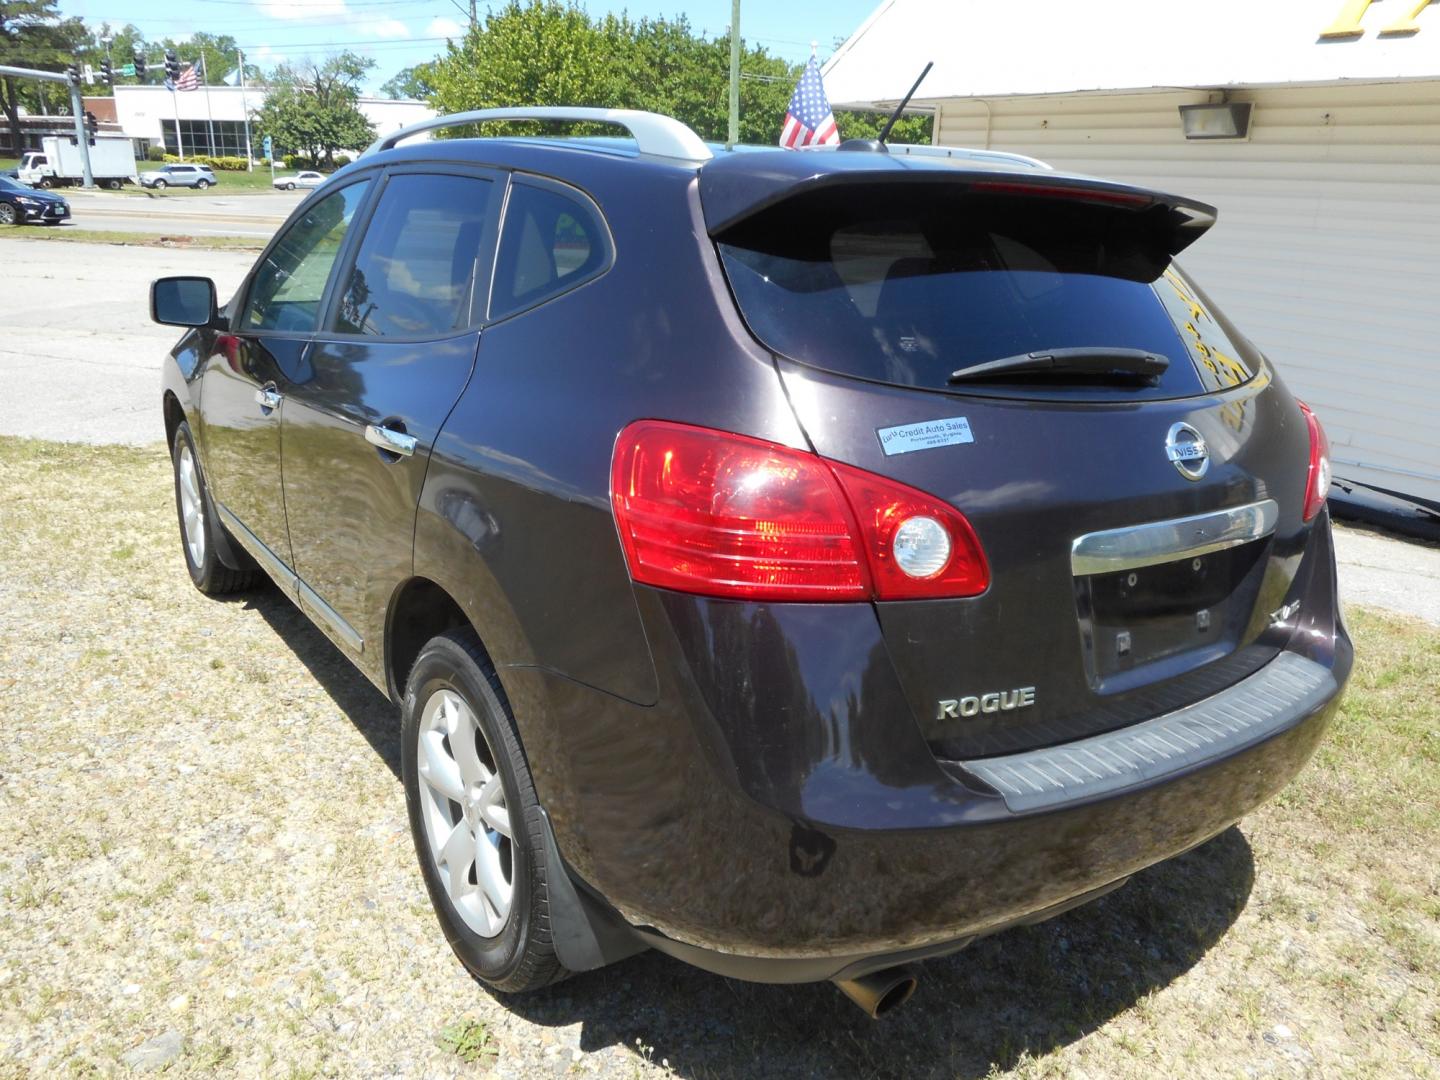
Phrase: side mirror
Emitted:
{"points": [[183, 301]]}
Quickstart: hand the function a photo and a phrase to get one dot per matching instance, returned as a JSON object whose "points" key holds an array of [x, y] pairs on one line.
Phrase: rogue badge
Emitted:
{"points": [[993, 702]]}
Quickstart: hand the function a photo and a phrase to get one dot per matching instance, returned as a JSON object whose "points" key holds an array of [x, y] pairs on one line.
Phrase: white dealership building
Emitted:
{"points": [[1319, 141], [211, 120]]}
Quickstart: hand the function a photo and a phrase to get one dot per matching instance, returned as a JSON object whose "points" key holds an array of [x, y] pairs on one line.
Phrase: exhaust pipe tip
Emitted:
{"points": [[881, 991]]}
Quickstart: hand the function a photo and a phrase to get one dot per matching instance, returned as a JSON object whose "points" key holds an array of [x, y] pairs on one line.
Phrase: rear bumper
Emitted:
{"points": [[774, 818]]}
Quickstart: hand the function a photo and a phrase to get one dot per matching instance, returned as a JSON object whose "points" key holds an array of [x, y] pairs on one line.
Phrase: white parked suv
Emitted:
{"points": [[196, 176], [308, 179]]}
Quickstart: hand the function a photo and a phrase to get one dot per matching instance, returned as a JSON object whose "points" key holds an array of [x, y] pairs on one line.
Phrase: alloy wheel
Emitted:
{"points": [[192, 507], [467, 822]]}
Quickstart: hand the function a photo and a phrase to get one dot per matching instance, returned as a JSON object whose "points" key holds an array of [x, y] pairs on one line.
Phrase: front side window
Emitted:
{"points": [[290, 281], [414, 274], [552, 242]]}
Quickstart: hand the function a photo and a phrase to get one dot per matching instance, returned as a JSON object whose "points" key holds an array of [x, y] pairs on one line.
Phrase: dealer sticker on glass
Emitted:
{"points": [[926, 436]]}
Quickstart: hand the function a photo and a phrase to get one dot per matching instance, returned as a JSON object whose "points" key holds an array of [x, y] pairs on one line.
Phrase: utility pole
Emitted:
{"points": [[734, 130], [77, 107]]}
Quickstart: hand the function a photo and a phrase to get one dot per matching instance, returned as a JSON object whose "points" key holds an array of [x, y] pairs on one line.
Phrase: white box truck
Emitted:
{"points": [[58, 164]]}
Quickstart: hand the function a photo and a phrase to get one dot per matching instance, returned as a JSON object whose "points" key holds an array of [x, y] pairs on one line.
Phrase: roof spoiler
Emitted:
{"points": [[739, 188]]}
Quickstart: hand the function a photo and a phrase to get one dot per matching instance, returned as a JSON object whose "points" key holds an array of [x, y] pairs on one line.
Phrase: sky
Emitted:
{"points": [[399, 33]]}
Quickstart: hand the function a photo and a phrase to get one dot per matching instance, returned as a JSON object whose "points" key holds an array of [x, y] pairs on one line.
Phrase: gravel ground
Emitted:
{"points": [[205, 868]]}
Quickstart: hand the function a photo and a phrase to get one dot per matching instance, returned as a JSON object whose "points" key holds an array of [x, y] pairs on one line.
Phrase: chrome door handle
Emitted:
{"points": [[395, 442], [267, 397]]}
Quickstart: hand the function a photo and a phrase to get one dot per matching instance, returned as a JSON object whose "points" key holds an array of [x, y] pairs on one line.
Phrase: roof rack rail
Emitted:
{"points": [[655, 134], [967, 153]]}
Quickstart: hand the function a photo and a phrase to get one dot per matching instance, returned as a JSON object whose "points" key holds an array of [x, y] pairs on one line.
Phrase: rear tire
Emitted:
{"points": [[458, 739], [7, 214], [199, 532]]}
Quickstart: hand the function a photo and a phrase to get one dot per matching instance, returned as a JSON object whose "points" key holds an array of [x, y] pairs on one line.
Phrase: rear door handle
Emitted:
{"points": [[267, 397], [395, 442]]}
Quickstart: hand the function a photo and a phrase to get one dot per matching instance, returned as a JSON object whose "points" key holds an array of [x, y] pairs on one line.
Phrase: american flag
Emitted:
{"points": [[189, 79], [809, 121]]}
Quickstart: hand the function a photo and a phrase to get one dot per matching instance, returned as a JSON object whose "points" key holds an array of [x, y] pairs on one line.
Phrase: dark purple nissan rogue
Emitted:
{"points": [[801, 563]]}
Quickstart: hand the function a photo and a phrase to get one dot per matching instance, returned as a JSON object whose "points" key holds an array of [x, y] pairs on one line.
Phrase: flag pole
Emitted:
{"points": [[179, 139], [734, 129], [245, 108], [209, 116]]}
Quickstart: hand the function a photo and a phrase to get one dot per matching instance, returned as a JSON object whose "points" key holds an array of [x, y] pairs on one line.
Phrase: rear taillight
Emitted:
{"points": [[1317, 476], [708, 512]]}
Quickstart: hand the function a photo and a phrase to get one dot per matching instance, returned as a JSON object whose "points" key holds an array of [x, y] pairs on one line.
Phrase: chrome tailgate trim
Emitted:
{"points": [[1166, 541]]}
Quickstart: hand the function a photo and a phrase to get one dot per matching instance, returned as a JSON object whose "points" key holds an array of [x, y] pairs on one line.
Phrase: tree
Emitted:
{"points": [[867, 125], [545, 52], [33, 34], [220, 54], [411, 82], [312, 109]]}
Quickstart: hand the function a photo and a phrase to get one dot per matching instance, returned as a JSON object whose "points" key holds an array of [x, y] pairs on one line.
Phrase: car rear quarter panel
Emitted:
{"points": [[515, 518]]}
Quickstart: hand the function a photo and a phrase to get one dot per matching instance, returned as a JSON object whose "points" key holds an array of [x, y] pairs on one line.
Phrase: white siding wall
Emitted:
{"points": [[1327, 250]]}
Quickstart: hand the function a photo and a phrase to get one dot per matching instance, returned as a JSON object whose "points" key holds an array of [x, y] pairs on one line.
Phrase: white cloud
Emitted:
{"points": [[304, 9], [440, 26], [384, 28]]}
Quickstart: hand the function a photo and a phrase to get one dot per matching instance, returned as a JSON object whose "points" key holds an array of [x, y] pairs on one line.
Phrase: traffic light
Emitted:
{"points": [[172, 68], [107, 71], [92, 126], [73, 74], [140, 64]]}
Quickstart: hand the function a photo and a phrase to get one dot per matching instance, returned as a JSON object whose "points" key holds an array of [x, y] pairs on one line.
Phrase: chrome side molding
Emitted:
{"points": [[1167, 541], [308, 599]]}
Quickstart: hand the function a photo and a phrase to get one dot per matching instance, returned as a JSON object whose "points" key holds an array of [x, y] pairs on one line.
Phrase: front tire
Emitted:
{"points": [[202, 184], [474, 817], [289, 187], [199, 532], [159, 185]]}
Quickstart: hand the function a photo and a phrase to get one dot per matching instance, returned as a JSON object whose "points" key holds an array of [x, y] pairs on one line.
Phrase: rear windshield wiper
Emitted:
{"points": [[1089, 362]]}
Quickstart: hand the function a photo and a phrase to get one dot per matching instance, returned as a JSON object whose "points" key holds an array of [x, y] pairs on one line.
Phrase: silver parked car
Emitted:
{"points": [[179, 175], [307, 179]]}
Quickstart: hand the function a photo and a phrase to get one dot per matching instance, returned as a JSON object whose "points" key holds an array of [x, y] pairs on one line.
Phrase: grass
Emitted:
{"points": [[469, 1040], [171, 824], [71, 234]]}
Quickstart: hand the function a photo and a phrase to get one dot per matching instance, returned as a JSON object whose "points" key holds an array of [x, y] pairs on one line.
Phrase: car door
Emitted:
{"points": [[245, 379], [395, 353]]}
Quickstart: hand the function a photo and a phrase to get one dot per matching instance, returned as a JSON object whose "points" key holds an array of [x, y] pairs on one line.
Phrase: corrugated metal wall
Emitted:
{"points": [[1327, 251]]}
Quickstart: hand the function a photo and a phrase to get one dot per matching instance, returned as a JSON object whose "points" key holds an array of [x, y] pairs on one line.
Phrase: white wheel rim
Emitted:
{"points": [[467, 824], [192, 507]]}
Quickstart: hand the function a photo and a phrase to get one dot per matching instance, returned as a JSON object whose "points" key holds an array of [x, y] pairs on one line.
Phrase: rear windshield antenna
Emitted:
{"points": [[885, 131]]}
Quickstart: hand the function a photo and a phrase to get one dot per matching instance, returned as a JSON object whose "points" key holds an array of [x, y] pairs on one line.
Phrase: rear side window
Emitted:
{"points": [[414, 275], [290, 281], [553, 241], [909, 286]]}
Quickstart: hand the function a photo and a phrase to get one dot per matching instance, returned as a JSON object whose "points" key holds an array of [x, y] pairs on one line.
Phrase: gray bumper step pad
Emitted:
{"points": [[1276, 697]]}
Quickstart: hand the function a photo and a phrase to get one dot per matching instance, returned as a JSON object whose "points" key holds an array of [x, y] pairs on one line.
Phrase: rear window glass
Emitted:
{"points": [[909, 286]]}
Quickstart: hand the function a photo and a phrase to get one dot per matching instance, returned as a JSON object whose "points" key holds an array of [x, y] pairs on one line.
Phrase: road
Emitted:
{"points": [[80, 362], [79, 356], [251, 215]]}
